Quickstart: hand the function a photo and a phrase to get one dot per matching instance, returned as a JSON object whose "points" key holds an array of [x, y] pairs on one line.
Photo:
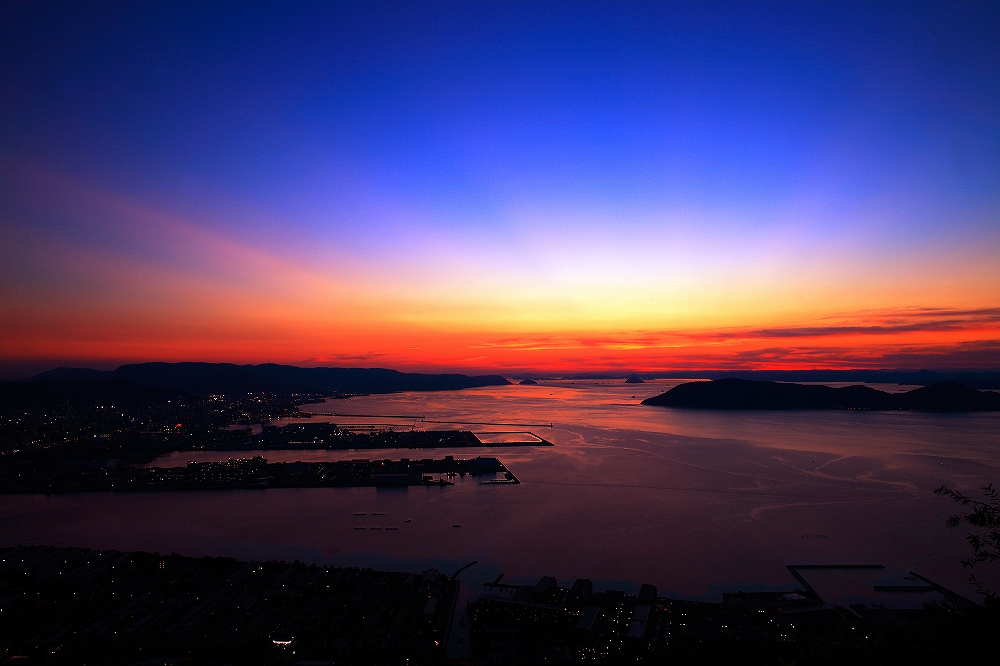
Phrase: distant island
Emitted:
{"points": [[204, 379], [761, 395], [528, 382]]}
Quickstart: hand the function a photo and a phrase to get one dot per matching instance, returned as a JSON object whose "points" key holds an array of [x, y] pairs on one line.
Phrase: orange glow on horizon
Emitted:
{"points": [[911, 345], [170, 289]]}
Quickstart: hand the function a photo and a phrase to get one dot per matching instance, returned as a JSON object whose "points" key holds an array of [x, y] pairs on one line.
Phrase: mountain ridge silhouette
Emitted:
{"points": [[202, 379]]}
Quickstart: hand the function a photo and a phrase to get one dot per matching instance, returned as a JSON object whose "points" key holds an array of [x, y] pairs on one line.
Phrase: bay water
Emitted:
{"points": [[694, 502]]}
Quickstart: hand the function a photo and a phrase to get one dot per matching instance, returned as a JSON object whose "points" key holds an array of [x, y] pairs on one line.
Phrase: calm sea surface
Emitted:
{"points": [[694, 502]]}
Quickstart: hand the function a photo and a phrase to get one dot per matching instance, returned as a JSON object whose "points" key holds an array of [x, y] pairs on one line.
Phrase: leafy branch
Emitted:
{"points": [[984, 515]]}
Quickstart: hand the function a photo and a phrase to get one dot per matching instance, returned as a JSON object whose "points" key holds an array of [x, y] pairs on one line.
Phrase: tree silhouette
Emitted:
{"points": [[984, 516]]}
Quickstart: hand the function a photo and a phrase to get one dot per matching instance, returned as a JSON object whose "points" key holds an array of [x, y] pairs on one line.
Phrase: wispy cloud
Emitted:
{"points": [[899, 337], [893, 323]]}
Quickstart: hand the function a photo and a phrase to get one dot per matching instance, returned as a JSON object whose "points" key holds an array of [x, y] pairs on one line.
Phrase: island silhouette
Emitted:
{"points": [[735, 394]]}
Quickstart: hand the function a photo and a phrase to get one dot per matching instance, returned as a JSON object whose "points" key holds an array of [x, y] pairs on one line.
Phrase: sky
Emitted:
{"points": [[503, 187]]}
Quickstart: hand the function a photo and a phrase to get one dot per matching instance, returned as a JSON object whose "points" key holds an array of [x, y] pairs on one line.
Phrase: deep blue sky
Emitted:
{"points": [[699, 100]]}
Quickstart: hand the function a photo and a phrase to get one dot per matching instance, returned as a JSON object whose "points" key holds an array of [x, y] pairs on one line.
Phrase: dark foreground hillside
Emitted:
{"points": [[748, 394], [77, 606]]}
